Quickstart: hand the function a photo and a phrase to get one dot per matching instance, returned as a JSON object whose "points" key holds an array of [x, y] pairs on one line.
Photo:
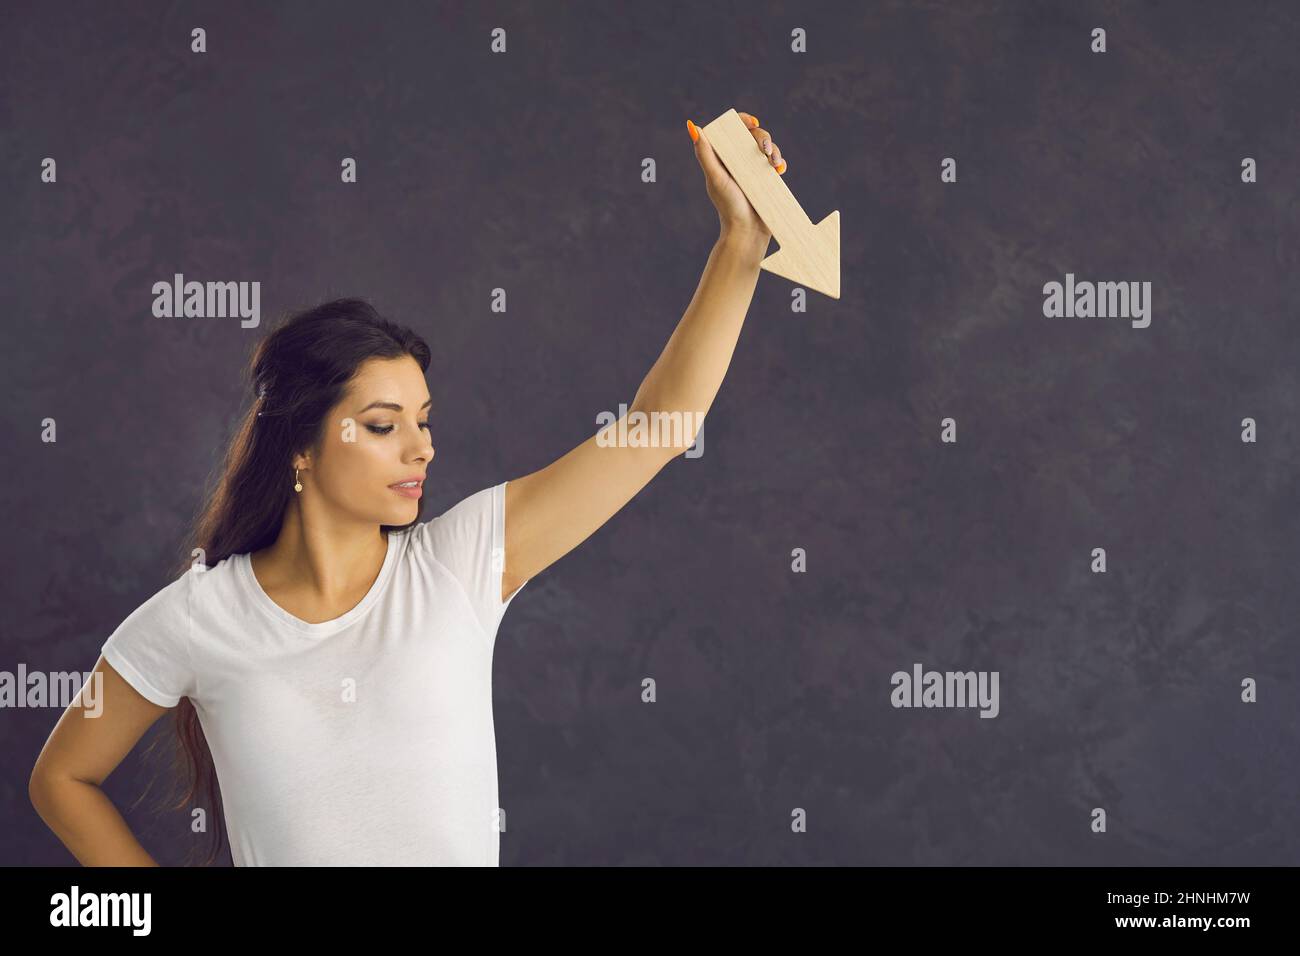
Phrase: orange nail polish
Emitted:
{"points": [[693, 130], [756, 123], [781, 169]]}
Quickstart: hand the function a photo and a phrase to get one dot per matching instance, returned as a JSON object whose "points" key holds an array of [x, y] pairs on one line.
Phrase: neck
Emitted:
{"points": [[325, 556]]}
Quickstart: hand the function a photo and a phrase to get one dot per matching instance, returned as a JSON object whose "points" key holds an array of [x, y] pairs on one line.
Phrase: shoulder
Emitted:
{"points": [[473, 509], [200, 586], [464, 526]]}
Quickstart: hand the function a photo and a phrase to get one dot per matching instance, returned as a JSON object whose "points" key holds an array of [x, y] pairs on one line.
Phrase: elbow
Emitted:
{"points": [[38, 791], [38, 785], [42, 788]]}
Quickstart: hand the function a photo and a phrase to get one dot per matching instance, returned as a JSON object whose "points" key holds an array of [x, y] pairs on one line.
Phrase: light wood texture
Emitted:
{"points": [[809, 255]]}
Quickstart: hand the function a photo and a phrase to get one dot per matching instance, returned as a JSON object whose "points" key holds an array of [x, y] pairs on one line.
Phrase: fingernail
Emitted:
{"points": [[693, 130], [755, 124], [781, 169]]}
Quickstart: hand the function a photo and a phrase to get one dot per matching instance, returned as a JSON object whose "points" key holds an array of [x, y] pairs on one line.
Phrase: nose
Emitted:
{"points": [[424, 450]]}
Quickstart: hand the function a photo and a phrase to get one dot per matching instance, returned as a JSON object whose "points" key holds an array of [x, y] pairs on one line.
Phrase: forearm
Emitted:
{"points": [[688, 373], [85, 820]]}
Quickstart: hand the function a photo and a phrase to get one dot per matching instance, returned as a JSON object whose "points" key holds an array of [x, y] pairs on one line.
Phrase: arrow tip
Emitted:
{"points": [[813, 259]]}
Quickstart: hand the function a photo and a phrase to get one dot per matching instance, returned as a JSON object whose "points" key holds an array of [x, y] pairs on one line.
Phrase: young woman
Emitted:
{"points": [[328, 656]]}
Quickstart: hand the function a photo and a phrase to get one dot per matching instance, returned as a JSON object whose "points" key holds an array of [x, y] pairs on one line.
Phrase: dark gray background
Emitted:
{"points": [[523, 171]]}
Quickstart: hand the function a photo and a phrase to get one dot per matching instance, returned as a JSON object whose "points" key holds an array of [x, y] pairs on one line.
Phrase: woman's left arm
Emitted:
{"points": [[554, 509]]}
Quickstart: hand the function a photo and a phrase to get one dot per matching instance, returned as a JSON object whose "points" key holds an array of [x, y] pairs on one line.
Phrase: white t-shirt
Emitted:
{"points": [[362, 741]]}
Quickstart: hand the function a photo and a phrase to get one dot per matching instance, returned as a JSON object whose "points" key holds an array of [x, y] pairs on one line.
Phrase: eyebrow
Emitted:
{"points": [[393, 405]]}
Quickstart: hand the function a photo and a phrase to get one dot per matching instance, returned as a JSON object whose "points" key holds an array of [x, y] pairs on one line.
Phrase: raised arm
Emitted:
{"points": [[554, 509]]}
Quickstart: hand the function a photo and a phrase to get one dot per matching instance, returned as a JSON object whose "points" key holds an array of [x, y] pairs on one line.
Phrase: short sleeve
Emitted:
{"points": [[151, 648], [469, 540]]}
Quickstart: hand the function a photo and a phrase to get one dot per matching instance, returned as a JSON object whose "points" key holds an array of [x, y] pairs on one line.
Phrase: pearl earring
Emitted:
{"points": [[297, 485]]}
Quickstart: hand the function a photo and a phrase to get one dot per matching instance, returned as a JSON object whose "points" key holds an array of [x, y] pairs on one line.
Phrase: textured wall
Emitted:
{"points": [[522, 170]]}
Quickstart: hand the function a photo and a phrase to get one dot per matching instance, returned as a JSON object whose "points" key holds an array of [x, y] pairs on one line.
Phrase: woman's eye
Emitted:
{"points": [[385, 429]]}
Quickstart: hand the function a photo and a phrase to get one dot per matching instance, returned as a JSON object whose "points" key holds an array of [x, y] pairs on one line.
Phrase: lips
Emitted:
{"points": [[410, 488]]}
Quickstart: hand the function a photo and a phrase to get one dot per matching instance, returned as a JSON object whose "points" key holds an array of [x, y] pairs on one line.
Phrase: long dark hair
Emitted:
{"points": [[298, 373]]}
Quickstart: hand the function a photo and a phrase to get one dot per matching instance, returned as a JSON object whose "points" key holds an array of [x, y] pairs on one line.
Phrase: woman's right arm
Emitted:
{"points": [[78, 757]]}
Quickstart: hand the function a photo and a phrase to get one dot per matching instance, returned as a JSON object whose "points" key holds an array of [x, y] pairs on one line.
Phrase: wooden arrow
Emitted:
{"points": [[809, 255]]}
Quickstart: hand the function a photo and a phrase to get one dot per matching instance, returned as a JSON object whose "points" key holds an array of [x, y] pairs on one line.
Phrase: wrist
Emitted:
{"points": [[745, 238]]}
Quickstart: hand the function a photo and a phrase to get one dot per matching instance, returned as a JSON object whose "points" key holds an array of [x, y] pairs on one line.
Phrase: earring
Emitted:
{"points": [[297, 485]]}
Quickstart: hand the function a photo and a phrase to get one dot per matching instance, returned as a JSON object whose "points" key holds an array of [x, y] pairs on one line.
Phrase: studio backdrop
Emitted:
{"points": [[989, 560]]}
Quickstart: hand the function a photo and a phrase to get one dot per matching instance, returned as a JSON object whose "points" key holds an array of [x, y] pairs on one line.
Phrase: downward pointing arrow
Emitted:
{"points": [[809, 255]]}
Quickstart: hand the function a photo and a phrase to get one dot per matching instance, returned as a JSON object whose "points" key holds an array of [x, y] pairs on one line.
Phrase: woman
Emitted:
{"points": [[329, 657]]}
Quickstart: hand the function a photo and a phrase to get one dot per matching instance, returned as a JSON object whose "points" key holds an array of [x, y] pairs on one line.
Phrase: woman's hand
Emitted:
{"points": [[735, 214]]}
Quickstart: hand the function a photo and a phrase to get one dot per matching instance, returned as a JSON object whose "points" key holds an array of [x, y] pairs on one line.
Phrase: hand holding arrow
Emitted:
{"points": [[809, 255]]}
